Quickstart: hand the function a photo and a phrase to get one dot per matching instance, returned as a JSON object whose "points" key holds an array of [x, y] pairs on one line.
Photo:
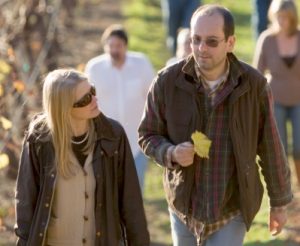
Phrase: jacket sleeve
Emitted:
{"points": [[26, 192], [273, 160], [153, 136], [130, 199]]}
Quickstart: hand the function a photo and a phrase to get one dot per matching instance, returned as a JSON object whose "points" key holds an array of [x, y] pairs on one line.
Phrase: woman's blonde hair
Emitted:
{"points": [[289, 6], [58, 99]]}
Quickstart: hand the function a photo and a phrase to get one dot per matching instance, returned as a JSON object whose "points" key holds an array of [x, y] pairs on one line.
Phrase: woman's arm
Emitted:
{"points": [[27, 188]]}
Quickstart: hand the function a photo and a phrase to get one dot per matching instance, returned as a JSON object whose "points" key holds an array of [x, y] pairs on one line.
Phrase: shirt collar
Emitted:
{"points": [[221, 80], [235, 68]]}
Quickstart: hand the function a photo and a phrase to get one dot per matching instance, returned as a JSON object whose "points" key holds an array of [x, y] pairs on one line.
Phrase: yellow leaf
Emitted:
{"points": [[5, 123], [201, 144], [5, 68], [19, 85], [4, 160], [10, 53], [1, 90]]}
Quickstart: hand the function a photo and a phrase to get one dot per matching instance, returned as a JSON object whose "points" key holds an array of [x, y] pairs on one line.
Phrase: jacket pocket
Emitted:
{"points": [[253, 190]]}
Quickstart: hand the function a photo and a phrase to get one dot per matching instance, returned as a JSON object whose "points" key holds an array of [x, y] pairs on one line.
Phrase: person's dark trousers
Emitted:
{"points": [[176, 14], [260, 16]]}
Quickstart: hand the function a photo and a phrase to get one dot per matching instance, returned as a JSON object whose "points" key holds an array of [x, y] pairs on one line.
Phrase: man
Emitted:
{"points": [[122, 79], [212, 201]]}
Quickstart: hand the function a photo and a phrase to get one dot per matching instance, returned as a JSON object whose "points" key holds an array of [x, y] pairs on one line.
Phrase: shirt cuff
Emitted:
{"points": [[168, 157], [278, 209]]}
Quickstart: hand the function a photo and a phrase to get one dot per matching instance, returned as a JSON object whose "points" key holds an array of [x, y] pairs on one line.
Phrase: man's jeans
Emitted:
{"points": [[141, 162], [176, 14], [232, 234], [260, 16], [282, 115]]}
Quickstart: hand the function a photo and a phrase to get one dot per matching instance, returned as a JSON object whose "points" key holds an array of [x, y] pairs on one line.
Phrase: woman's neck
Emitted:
{"points": [[79, 127]]}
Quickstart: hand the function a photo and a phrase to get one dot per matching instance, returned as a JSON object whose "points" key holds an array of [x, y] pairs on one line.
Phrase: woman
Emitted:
{"points": [[278, 56], [77, 183]]}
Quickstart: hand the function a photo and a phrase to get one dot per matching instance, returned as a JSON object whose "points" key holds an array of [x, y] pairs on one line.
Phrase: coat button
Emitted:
{"points": [[47, 205], [52, 175], [41, 234], [116, 152], [85, 218], [98, 234], [83, 240], [101, 152], [99, 205], [86, 195]]}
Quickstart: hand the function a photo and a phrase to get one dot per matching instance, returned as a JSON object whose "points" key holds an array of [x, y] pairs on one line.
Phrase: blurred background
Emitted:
{"points": [[37, 36]]}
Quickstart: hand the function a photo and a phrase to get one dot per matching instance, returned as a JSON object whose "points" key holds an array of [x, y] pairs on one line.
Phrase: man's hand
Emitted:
{"points": [[278, 218], [183, 154]]}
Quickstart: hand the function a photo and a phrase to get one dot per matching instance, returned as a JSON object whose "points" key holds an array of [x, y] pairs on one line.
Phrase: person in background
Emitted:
{"points": [[177, 14], [213, 201], [260, 16], [183, 46], [122, 79], [77, 184], [277, 55]]}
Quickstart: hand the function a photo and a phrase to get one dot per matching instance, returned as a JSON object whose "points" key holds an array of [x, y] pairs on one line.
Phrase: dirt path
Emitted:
{"points": [[83, 41]]}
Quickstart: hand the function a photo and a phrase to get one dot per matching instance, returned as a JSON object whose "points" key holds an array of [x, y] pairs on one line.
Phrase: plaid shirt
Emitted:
{"points": [[215, 194], [212, 92]]}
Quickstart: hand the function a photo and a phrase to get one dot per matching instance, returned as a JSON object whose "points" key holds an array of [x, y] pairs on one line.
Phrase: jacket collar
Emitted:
{"points": [[237, 69], [103, 128]]}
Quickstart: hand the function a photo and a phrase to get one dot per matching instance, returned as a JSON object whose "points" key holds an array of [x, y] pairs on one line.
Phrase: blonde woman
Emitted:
{"points": [[77, 183], [278, 55]]}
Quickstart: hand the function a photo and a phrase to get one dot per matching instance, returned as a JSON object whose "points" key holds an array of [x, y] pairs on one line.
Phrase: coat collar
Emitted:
{"points": [[103, 127], [41, 133], [237, 69]]}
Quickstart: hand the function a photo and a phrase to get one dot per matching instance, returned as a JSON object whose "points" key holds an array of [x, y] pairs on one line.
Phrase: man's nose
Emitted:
{"points": [[202, 45]]}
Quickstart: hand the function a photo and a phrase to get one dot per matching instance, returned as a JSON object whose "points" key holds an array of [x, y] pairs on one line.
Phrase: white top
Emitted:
{"points": [[122, 93]]}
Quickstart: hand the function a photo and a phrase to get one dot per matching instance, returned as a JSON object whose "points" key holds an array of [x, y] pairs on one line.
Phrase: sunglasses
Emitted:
{"points": [[86, 99], [210, 42]]}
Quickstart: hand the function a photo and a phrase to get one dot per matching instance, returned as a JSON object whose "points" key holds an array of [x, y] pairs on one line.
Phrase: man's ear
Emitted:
{"points": [[230, 43]]}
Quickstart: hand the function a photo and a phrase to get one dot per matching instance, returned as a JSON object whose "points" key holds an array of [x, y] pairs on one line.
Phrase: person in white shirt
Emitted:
{"points": [[122, 79]]}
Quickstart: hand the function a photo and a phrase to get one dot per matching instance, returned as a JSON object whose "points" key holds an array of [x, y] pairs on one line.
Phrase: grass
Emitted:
{"points": [[147, 34]]}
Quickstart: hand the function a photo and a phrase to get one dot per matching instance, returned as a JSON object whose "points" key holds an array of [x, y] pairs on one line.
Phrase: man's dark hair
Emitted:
{"points": [[210, 9], [114, 30]]}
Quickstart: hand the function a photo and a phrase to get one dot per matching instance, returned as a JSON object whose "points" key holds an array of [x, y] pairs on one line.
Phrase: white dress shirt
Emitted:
{"points": [[121, 93]]}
